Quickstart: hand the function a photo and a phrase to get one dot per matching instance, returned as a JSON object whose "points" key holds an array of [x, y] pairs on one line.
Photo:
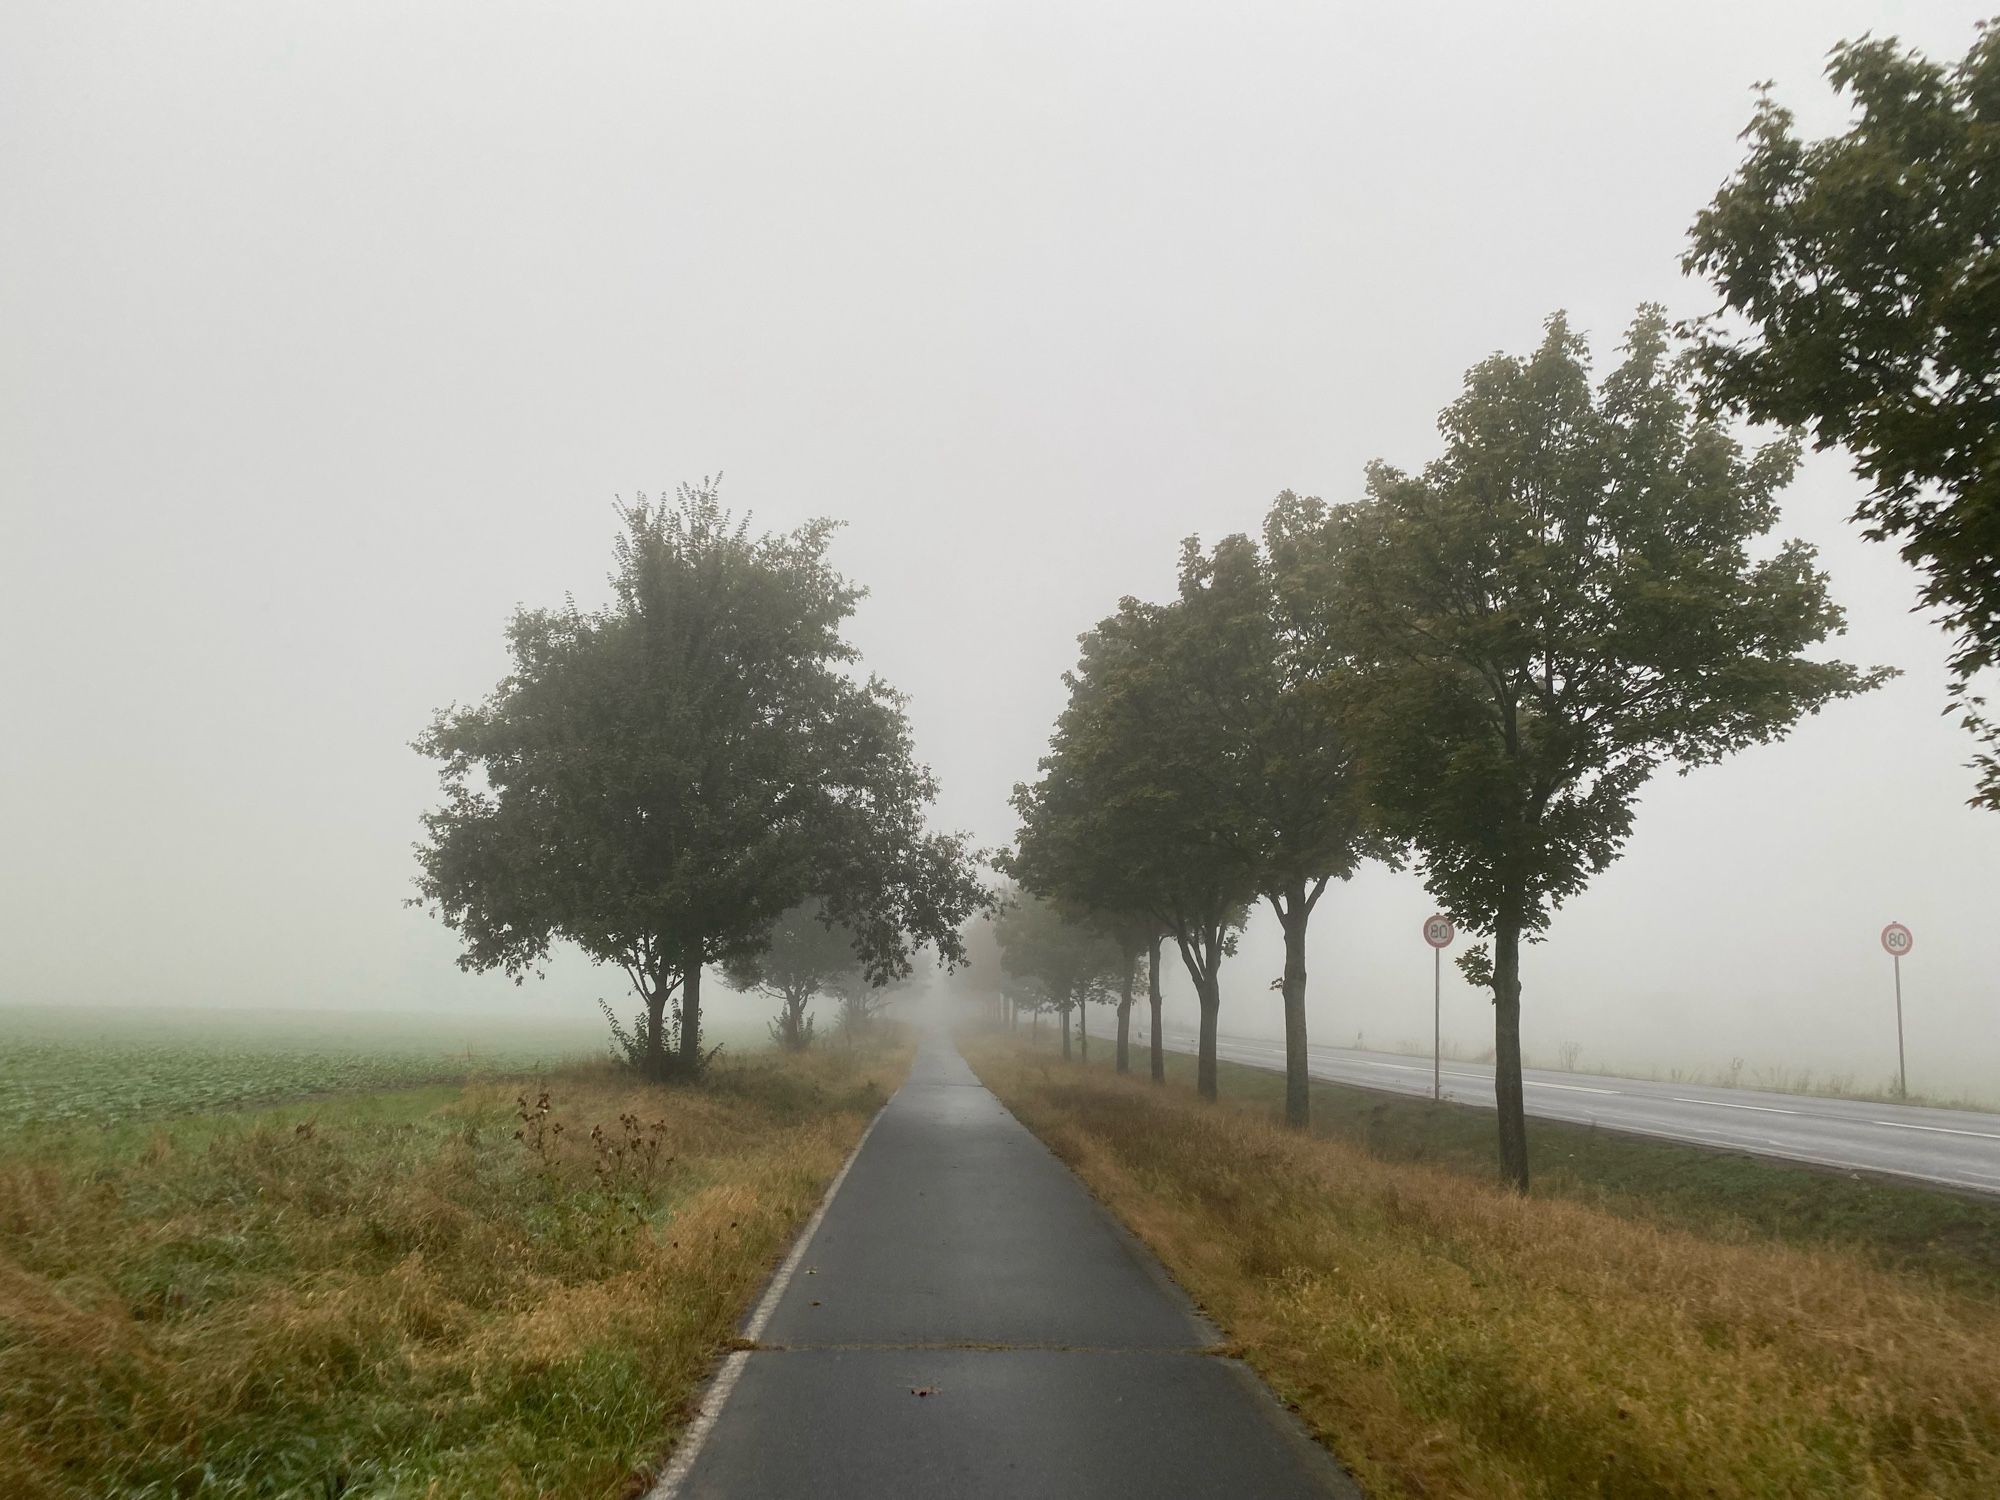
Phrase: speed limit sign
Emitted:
{"points": [[1897, 940], [1438, 932]]}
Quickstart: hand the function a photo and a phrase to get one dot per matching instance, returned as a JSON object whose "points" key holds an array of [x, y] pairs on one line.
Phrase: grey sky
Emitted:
{"points": [[331, 331]]}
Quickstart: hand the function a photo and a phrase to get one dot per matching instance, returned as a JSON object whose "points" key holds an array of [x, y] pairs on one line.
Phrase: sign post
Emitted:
{"points": [[1896, 941], [1439, 932]]}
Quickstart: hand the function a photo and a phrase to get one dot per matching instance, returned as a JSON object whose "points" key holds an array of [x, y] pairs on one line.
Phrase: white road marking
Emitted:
{"points": [[1767, 1109], [1573, 1088], [717, 1395], [1984, 1135]]}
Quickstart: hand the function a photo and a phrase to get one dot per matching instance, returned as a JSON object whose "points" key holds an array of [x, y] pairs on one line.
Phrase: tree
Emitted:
{"points": [[1269, 676], [1071, 963], [1860, 284], [863, 999], [659, 781], [1125, 819], [1068, 851], [805, 954], [1086, 881], [1558, 606]]}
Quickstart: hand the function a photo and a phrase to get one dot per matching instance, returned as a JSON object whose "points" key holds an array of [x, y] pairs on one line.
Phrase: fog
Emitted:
{"points": [[331, 333]]}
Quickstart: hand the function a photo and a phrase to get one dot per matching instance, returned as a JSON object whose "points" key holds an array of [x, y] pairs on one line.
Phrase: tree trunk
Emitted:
{"points": [[1507, 1053], [1065, 1011], [1083, 1030], [1158, 1047], [654, 1064], [1035, 1025], [691, 1019], [1125, 1013], [1209, 991], [794, 1021], [1203, 958], [1298, 1085]]}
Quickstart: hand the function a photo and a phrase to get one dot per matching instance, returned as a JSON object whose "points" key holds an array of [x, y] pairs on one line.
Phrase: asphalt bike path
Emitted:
{"points": [[965, 1320]]}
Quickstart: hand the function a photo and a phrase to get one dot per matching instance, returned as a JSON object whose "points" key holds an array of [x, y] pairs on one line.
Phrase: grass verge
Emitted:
{"points": [[1726, 1195], [396, 1293], [1448, 1338]]}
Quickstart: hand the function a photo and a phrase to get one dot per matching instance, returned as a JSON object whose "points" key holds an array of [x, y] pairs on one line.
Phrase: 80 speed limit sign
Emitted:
{"points": [[1439, 932], [1897, 939]]}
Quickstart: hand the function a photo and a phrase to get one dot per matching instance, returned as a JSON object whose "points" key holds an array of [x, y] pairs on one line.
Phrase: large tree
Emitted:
{"points": [[659, 781], [1125, 819], [1860, 283], [1270, 678], [1562, 603]]}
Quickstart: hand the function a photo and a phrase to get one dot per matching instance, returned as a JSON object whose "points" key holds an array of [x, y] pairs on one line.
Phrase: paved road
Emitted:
{"points": [[1958, 1148], [959, 1259]]}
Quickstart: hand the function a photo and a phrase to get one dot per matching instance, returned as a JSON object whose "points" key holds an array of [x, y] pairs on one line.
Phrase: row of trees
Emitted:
{"points": [[1479, 664], [672, 781], [1051, 962]]}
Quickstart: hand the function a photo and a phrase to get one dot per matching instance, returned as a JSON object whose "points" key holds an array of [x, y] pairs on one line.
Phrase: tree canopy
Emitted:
{"points": [[1561, 604], [1069, 961], [1126, 817], [660, 781], [1272, 677], [1860, 284]]}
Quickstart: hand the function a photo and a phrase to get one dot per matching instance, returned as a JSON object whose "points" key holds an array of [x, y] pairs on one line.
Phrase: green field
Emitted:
{"points": [[502, 1288], [79, 1065]]}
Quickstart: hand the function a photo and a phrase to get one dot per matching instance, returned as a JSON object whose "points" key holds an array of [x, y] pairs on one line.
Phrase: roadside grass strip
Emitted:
{"points": [[1717, 1192], [1448, 1338], [450, 1291]]}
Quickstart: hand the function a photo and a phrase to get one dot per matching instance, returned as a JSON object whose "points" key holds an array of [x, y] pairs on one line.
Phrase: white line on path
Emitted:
{"points": [[1572, 1088], [1767, 1109], [717, 1395], [1984, 1135]]}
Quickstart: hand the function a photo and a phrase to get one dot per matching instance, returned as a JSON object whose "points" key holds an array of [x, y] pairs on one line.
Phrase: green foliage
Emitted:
{"points": [[1860, 283], [1261, 687], [1126, 808], [1561, 604], [660, 781], [1062, 961]]}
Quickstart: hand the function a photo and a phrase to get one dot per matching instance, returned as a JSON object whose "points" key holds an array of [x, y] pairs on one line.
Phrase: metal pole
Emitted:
{"points": [[1902, 1073], [1437, 1023]]}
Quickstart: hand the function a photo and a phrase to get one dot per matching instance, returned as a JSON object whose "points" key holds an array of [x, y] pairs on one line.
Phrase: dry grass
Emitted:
{"points": [[1448, 1338], [394, 1294]]}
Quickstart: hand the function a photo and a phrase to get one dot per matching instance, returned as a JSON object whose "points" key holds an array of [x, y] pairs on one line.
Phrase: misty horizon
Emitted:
{"points": [[331, 354]]}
